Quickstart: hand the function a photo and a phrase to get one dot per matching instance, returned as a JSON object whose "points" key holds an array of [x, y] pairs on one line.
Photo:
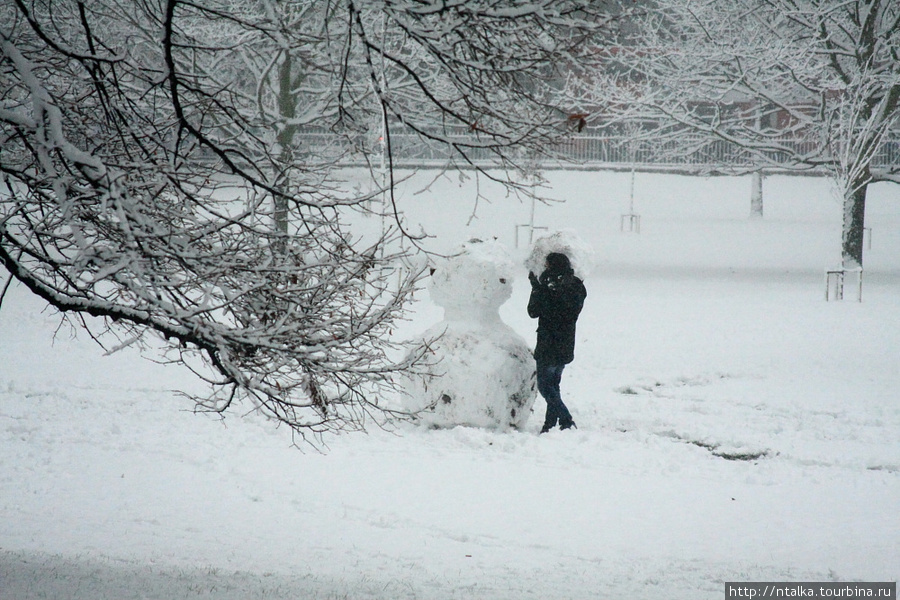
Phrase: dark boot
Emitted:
{"points": [[548, 425], [567, 424]]}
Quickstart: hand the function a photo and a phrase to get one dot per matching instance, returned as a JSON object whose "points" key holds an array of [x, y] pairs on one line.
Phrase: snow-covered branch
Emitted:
{"points": [[154, 179]]}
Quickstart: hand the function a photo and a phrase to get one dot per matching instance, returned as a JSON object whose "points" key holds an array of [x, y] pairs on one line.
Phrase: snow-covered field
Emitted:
{"points": [[732, 426]]}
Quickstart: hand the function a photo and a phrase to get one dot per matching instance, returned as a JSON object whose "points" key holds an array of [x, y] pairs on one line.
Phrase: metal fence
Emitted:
{"points": [[691, 152], [587, 149]]}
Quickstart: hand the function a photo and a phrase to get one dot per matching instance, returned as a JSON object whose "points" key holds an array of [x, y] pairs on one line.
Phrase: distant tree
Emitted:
{"points": [[792, 83], [154, 174]]}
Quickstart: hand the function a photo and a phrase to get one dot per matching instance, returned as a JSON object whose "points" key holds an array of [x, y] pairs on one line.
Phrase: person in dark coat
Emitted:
{"points": [[556, 301]]}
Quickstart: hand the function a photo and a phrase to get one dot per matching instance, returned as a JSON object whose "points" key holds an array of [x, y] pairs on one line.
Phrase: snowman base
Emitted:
{"points": [[482, 378]]}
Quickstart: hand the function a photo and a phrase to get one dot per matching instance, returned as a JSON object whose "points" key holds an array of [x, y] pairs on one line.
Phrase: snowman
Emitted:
{"points": [[483, 371]]}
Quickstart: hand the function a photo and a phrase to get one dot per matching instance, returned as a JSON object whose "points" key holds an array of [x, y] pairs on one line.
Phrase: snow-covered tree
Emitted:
{"points": [[158, 173], [793, 83]]}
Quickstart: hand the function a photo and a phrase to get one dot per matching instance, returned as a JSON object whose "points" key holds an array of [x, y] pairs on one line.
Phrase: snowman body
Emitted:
{"points": [[483, 371]]}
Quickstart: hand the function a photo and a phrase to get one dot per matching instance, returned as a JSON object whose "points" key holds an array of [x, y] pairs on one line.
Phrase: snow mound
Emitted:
{"points": [[567, 242]]}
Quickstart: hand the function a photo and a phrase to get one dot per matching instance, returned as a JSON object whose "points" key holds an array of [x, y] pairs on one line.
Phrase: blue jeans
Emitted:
{"points": [[548, 378]]}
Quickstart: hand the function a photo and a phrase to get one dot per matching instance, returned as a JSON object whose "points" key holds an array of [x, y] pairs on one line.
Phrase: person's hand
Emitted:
{"points": [[533, 279]]}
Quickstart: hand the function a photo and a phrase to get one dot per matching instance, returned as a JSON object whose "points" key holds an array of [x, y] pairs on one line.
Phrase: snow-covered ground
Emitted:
{"points": [[732, 426]]}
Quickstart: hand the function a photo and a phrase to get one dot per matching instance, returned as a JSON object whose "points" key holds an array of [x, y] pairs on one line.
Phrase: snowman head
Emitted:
{"points": [[474, 282]]}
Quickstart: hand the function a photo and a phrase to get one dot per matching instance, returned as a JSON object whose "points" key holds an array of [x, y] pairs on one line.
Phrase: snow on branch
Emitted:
{"points": [[156, 176]]}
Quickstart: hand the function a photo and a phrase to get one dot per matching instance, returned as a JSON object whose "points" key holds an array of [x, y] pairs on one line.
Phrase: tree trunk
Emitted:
{"points": [[854, 222], [756, 196], [287, 108]]}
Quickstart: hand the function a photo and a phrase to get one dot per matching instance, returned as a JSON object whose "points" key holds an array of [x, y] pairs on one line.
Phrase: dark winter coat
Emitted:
{"points": [[556, 301]]}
